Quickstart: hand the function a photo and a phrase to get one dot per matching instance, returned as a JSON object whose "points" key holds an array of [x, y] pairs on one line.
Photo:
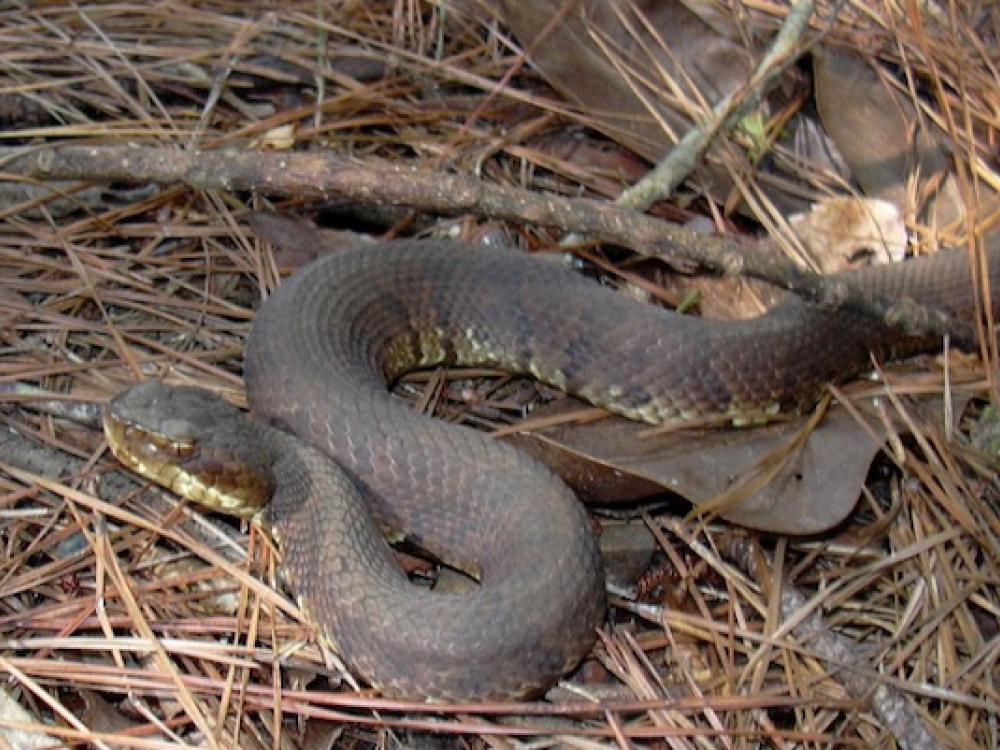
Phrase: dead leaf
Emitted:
{"points": [[627, 550], [101, 716], [298, 242], [609, 460], [638, 69], [844, 233], [816, 490], [873, 128], [14, 715], [281, 138]]}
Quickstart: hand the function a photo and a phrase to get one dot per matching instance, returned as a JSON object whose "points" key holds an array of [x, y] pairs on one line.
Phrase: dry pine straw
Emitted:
{"points": [[155, 606], [149, 598]]}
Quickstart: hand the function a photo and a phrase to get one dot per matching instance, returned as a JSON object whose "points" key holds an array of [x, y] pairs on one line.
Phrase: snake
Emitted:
{"points": [[338, 469]]}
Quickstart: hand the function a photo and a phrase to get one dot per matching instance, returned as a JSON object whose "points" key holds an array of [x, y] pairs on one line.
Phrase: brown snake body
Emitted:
{"points": [[319, 357]]}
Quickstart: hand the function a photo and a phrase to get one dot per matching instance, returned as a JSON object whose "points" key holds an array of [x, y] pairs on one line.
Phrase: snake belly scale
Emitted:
{"points": [[318, 360]]}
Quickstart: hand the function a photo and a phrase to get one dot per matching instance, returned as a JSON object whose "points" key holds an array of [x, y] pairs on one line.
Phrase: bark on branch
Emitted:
{"points": [[327, 175]]}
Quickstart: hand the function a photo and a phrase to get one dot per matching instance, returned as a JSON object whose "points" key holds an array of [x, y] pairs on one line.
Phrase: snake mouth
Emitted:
{"points": [[144, 451], [183, 465]]}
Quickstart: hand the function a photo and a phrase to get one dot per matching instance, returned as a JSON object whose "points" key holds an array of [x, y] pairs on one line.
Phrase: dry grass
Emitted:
{"points": [[129, 620]]}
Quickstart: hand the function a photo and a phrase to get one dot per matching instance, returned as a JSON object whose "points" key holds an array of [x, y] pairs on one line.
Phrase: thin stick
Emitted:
{"points": [[379, 182]]}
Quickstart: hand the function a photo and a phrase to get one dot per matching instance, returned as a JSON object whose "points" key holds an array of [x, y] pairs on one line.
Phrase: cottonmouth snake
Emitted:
{"points": [[318, 359]]}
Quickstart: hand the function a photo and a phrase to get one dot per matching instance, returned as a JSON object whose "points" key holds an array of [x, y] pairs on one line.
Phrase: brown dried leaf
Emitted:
{"points": [[843, 233], [875, 129], [816, 489], [101, 716], [627, 550], [576, 59], [296, 241]]}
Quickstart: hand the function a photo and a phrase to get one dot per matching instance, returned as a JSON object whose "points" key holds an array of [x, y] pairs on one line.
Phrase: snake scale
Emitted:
{"points": [[318, 360]]}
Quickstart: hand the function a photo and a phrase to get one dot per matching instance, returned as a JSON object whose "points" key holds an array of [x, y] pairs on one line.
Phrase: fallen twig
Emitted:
{"points": [[379, 182], [678, 163]]}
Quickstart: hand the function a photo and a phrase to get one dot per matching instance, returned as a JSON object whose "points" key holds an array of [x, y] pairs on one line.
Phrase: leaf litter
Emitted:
{"points": [[130, 619]]}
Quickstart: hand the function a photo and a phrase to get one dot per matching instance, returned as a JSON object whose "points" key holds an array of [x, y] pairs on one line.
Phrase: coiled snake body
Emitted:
{"points": [[323, 348]]}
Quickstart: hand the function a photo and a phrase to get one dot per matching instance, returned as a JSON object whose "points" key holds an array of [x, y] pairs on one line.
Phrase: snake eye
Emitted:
{"points": [[178, 438], [184, 450]]}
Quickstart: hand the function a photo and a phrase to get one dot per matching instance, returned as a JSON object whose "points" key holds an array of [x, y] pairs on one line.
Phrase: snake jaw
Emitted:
{"points": [[142, 451]]}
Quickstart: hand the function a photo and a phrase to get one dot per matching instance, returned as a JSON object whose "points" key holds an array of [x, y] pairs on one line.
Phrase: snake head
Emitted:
{"points": [[192, 442]]}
